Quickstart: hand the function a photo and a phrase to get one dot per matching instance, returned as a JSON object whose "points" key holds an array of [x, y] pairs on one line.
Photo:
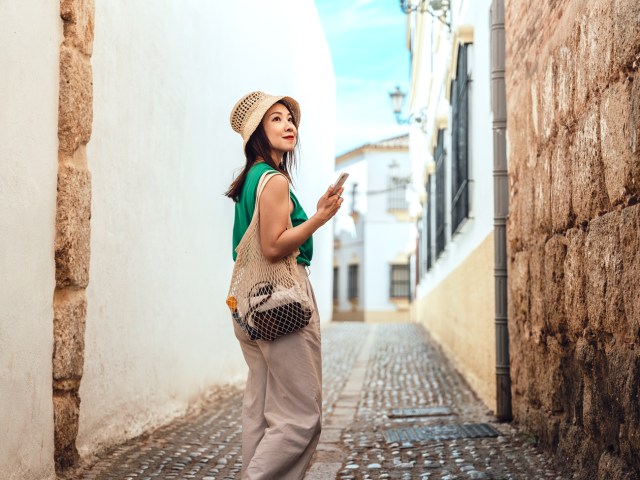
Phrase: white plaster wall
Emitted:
{"points": [[378, 174], [386, 237], [383, 237], [166, 75], [384, 241], [30, 34], [350, 235], [480, 224]]}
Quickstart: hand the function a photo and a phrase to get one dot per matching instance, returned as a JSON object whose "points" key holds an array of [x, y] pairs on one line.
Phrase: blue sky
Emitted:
{"points": [[367, 42]]}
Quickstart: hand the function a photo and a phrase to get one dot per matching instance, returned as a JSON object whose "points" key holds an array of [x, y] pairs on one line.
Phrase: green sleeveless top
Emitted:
{"points": [[246, 206]]}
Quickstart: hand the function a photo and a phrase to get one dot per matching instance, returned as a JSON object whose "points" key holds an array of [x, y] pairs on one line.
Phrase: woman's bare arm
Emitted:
{"points": [[275, 240]]}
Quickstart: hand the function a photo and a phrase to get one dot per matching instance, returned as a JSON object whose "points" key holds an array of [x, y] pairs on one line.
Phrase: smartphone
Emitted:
{"points": [[340, 181]]}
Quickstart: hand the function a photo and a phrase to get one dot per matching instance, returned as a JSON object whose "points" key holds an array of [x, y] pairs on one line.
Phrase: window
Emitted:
{"points": [[353, 282], [397, 198], [427, 226], [420, 251], [439, 155], [400, 278], [336, 271], [460, 142]]}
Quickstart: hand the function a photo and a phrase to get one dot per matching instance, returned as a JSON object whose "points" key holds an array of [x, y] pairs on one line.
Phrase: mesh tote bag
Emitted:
{"points": [[266, 298]]}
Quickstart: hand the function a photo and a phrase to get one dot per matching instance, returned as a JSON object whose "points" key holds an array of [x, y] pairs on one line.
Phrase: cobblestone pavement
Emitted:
{"points": [[407, 370], [368, 370]]}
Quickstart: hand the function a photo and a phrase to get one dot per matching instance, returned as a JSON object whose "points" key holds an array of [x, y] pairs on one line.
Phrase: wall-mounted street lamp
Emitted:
{"points": [[436, 8], [397, 100]]}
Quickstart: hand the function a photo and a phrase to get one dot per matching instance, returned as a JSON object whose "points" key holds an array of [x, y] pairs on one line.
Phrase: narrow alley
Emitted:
{"points": [[393, 405]]}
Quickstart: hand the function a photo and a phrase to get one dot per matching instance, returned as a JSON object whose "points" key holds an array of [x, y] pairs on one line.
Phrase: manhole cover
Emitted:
{"points": [[439, 432], [420, 412]]}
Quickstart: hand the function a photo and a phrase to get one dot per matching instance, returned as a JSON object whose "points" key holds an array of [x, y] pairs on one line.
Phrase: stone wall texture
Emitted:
{"points": [[573, 90], [73, 215]]}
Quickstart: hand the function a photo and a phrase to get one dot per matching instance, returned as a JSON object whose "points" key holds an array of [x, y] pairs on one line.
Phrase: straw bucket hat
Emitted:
{"points": [[247, 113]]}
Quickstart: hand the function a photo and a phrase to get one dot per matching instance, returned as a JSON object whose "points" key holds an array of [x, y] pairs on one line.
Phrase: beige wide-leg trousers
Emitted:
{"points": [[282, 408]]}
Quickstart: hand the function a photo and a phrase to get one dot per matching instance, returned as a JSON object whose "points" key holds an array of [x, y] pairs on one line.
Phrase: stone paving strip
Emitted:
{"points": [[408, 374], [377, 379], [205, 443]]}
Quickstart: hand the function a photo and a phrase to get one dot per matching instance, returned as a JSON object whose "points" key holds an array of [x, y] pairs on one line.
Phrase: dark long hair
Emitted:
{"points": [[257, 147]]}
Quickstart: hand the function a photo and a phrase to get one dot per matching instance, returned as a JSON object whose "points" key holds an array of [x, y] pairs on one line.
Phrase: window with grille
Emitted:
{"points": [[400, 278], [427, 227], [460, 142], [335, 283], [420, 251], [397, 196], [353, 282], [439, 155]]}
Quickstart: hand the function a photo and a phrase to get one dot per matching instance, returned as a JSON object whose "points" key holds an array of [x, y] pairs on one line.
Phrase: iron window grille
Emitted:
{"points": [[460, 142], [427, 226], [353, 282], [400, 279], [439, 155], [397, 196], [420, 251]]}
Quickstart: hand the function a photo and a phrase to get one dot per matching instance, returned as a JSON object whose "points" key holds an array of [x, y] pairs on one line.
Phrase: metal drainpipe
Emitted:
{"points": [[500, 208]]}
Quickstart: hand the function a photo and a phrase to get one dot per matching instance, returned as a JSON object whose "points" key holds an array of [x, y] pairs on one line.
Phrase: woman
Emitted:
{"points": [[282, 405]]}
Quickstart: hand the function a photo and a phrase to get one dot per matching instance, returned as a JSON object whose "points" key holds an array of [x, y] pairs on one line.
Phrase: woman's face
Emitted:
{"points": [[280, 130]]}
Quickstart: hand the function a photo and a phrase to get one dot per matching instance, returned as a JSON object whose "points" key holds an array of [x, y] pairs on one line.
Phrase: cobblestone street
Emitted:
{"points": [[370, 373]]}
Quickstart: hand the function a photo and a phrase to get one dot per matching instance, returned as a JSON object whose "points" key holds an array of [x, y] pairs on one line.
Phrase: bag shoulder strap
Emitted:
{"points": [[266, 176]]}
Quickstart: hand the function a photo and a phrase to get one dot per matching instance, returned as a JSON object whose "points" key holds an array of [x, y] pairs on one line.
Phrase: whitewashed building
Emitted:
{"points": [[374, 234], [156, 80], [452, 157]]}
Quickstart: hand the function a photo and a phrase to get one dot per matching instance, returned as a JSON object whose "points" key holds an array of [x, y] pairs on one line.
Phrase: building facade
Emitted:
{"points": [[375, 234], [116, 150], [452, 157]]}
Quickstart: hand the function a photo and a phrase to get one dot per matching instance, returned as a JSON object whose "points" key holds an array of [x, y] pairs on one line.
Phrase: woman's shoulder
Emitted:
{"points": [[253, 178]]}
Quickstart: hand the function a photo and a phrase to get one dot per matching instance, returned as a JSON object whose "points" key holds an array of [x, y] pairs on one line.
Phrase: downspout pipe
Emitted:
{"points": [[501, 209]]}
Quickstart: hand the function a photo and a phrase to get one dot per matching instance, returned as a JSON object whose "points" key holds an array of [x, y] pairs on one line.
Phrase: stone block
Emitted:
{"points": [[575, 283], [588, 194], [552, 379], [633, 185], [69, 319], [630, 253], [78, 16], [603, 268], [547, 98], [620, 164], [542, 194], [519, 289], [537, 300], [75, 107], [594, 56], [565, 83], [534, 104], [562, 216], [581, 54], [630, 425], [73, 215], [521, 227], [553, 286], [626, 34], [611, 466], [66, 412], [599, 42], [520, 219]]}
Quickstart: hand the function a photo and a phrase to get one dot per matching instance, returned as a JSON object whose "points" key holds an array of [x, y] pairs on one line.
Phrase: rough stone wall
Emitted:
{"points": [[573, 95], [73, 213]]}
